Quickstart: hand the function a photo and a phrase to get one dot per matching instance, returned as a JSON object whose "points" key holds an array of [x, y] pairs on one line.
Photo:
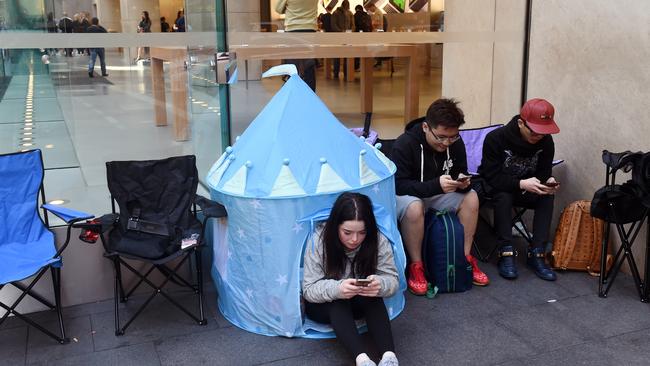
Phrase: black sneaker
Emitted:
{"points": [[536, 260], [506, 263], [104, 75], [90, 75]]}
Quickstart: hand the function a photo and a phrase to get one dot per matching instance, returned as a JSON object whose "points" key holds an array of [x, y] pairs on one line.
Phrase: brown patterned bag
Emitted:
{"points": [[578, 240]]}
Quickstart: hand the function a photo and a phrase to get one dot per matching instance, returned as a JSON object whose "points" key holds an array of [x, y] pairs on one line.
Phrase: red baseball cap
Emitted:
{"points": [[538, 115]]}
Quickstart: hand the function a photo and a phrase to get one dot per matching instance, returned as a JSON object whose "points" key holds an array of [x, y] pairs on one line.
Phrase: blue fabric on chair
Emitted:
{"points": [[67, 214], [26, 245]]}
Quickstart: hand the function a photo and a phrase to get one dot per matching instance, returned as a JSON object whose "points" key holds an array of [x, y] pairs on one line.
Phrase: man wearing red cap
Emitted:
{"points": [[516, 165]]}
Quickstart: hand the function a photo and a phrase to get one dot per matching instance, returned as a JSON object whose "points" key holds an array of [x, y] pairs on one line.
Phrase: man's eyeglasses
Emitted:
{"points": [[532, 133], [445, 139]]}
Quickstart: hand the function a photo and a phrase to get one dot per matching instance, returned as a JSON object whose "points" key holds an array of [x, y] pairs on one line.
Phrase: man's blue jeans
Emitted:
{"points": [[94, 52]]}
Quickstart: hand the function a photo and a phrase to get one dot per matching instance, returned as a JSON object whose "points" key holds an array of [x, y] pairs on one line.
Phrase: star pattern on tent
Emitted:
{"points": [[282, 279], [249, 293], [229, 254], [375, 188], [256, 204], [297, 227], [240, 232]]}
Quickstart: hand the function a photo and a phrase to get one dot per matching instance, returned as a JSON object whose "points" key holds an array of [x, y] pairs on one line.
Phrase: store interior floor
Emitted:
{"points": [[81, 122]]}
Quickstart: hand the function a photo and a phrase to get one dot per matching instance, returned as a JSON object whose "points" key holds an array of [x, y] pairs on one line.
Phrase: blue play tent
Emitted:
{"points": [[277, 181]]}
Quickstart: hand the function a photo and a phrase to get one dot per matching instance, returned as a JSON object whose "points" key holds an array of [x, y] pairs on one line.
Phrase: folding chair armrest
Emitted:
{"points": [[622, 160], [68, 215], [210, 208], [100, 225]]}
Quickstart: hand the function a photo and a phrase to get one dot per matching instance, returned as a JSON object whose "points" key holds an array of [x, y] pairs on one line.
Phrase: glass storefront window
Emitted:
{"points": [[158, 98], [170, 104]]}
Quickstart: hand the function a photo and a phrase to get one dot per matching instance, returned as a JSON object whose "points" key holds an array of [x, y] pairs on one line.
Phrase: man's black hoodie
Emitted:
{"points": [[508, 158], [415, 178]]}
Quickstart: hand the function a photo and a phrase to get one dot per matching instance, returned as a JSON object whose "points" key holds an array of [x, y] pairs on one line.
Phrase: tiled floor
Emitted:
{"points": [[523, 322]]}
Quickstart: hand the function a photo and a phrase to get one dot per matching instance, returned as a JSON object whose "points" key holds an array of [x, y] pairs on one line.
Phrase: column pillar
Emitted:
{"points": [[108, 12], [484, 76]]}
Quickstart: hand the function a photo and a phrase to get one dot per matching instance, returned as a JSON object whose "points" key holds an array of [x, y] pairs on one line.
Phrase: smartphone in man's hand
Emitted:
{"points": [[552, 184], [462, 178]]}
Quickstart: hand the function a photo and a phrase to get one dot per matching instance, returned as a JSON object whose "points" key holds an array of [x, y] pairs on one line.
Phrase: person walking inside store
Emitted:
{"points": [[301, 16], [379, 24], [342, 21], [325, 19], [164, 26], [179, 23], [144, 26], [347, 272], [52, 27], [362, 23], [517, 167], [77, 27], [65, 25], [96, 52], [432, 173], [82, 27]]}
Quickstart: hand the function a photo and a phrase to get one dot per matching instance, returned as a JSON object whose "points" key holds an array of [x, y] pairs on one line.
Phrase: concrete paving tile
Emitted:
{"points": [[137, 355], [526, 290], [592, 354], [159, 320], [578, 283], [471, 304], [313, 359], [542, 329], [467, 342], [630, 348], [13, 322], [232, 346], [42, 349], [13, 346], [604, 318]]}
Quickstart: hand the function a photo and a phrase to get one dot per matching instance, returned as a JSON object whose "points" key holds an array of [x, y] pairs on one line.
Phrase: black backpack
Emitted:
{"points": [[630, 200]]}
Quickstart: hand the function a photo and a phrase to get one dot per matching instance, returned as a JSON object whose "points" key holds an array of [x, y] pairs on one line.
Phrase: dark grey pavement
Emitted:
{"points": [[526, 321]]}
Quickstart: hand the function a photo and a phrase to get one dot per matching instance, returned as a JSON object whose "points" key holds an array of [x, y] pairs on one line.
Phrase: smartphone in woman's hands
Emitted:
{"points": [[362, 282]]}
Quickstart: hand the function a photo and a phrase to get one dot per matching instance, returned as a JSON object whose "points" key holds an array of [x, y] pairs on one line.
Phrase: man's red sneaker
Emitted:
{"points": [[479, 278], [417, 283]]}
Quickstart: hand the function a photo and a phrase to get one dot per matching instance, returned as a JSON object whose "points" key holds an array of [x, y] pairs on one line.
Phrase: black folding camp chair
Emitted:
{"points": [[621, 205], [27, 246], [157, 224], [474, 138]]}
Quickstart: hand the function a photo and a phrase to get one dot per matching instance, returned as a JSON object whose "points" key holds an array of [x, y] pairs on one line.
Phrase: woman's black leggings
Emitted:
{"points": [[341, 315]]}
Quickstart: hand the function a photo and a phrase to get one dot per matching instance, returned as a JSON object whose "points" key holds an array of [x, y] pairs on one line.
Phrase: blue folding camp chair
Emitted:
{"points": [[27, 246]]}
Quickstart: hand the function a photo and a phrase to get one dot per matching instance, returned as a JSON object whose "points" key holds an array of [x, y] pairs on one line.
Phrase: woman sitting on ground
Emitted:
{"points": [[348, 271]]}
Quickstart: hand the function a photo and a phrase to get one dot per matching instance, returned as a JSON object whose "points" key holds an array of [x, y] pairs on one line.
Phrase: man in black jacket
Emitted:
{"points": [[430, 158], [94, 52], [516, 165]]}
